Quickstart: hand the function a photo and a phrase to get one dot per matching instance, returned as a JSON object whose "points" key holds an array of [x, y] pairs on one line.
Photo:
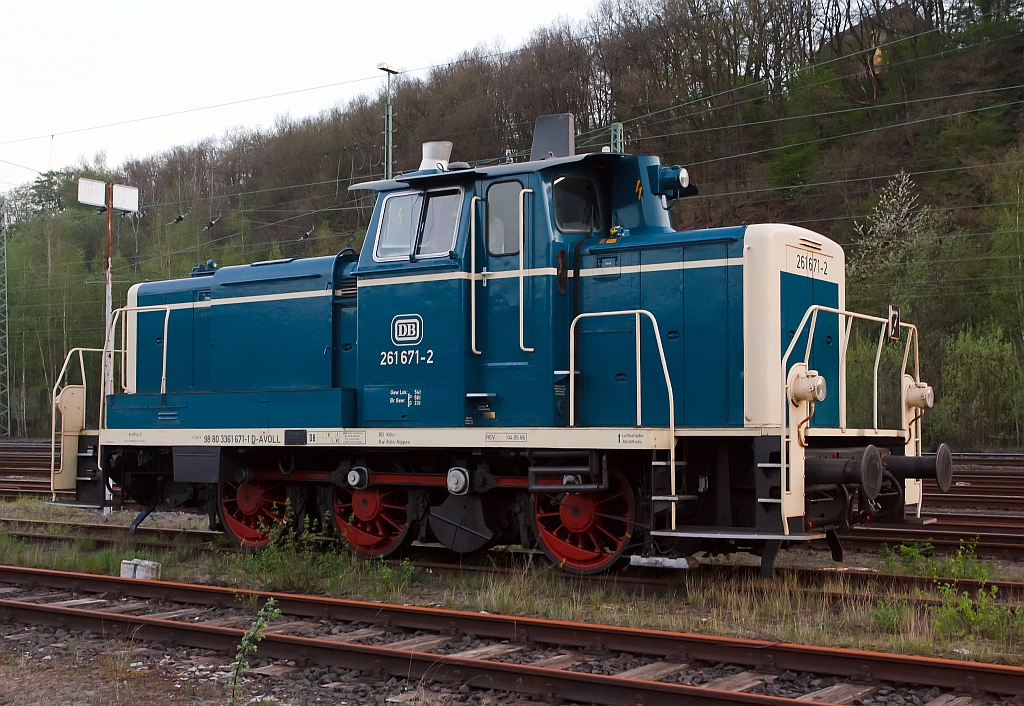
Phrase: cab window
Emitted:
{"points": [[398, 226], [440, 223], [424, 224], [503, 218], [575, 203]]}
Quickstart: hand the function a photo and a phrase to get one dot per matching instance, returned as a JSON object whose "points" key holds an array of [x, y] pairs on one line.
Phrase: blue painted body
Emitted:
{"points": [[288, 344]]}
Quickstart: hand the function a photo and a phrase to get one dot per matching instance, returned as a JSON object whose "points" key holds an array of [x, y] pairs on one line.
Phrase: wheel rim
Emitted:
{"points": [[250, 510], [374, 521], [586, 533]]}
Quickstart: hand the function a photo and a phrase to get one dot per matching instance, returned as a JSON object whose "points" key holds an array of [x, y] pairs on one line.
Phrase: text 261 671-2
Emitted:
{"points": [[407, 357]]}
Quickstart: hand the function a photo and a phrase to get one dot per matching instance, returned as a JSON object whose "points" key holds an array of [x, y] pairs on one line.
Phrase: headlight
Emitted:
{"points": [[807, 387], [920, 396]]}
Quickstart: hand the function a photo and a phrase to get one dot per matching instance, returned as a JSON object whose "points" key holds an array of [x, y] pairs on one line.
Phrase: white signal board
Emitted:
{"points": [[94, 193]]}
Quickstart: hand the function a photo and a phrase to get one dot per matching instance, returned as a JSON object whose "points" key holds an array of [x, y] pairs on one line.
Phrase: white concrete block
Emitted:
{"points": [[140, 569]]}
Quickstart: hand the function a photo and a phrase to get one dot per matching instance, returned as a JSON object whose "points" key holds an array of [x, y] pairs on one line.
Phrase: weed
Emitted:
{"points": [[964, 564], [911, 558], [115, 665], [248, 645], [389, 582], [914, 558], [889, 615], [959, 616], [296, 562]]}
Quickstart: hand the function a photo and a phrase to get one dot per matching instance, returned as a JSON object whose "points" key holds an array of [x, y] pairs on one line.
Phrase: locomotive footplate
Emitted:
{"points": [[766, 544]]}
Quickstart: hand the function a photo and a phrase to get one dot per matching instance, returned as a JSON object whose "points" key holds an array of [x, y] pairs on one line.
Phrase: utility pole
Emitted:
{"points": [[107, 298], [617, 143], [110, 196], [125, 198], [389, 159], [5, 367]]}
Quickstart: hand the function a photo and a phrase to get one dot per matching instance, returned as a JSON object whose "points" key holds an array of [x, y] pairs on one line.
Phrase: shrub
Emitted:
{"points": [[889, 615], [959, 616], [387, 582]]}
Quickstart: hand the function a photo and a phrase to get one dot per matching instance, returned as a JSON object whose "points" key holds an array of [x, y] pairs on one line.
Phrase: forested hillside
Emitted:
{"points": [[892, 127]]}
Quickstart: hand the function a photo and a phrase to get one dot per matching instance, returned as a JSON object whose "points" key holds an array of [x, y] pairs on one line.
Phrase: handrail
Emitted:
{"points": [[472, 274], [812, 313], [53, 403], [637, 313], [109, 343], [522, 250], [107, 356]]}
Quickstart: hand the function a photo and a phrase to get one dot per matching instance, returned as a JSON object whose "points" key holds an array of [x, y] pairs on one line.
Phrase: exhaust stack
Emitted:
{"points": [[436, 155]]}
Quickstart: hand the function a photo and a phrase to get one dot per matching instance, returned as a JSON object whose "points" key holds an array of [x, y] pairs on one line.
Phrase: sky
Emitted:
{"points": [[69, 66]]}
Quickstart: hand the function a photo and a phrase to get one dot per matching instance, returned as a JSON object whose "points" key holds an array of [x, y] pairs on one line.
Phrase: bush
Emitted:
{"points": [[388, 582], [913, 558], [959, 616], [889, 615], [296, 562]]}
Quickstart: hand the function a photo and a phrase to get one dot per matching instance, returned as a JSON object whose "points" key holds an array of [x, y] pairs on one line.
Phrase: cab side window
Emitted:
{"points": [[575, 202], [410, 227], [398, 226], [440, 223], [503, 218]]}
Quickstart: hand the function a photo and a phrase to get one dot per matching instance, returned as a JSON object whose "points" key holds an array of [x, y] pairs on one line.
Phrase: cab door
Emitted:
{"points": [[503, 339]]}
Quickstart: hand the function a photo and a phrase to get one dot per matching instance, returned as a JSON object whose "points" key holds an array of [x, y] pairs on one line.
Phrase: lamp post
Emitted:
{"points": [[390, 70]]}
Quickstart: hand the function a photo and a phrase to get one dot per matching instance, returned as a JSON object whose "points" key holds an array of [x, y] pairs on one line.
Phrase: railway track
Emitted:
{"points": [[542, 658], [100, 535], [25, 468]]}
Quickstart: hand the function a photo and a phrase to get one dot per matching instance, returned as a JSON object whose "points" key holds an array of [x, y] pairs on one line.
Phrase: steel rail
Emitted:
{"points": [[551, 684], [992, 678], [95, 529]]}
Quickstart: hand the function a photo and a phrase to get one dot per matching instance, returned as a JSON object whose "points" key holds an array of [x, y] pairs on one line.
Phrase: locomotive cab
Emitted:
{"points": [[522, 353]]}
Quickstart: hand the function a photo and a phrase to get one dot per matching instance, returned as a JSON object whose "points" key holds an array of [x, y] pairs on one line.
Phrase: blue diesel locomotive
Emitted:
{"points": [[526, 353]]}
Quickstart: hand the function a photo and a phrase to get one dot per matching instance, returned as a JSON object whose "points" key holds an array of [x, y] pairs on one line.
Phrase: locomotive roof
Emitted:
{"points": [[433, 176]]}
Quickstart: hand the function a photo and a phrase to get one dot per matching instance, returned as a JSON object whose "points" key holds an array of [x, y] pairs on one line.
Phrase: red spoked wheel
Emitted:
{"points": [[586, 533], [252, 509], [375, 521]]}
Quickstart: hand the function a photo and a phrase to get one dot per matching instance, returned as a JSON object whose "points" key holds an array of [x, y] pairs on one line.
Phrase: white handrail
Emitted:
{"points": [[812, 312], [472, 274], [109, 342], [637, 313], [522, 273]]}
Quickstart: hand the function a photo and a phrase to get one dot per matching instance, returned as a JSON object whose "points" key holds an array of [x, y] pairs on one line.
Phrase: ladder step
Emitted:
{"points": [[674, 498]]}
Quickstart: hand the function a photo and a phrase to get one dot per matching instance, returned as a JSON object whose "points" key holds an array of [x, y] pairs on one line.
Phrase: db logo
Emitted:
{"points": [[407, 329]]}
